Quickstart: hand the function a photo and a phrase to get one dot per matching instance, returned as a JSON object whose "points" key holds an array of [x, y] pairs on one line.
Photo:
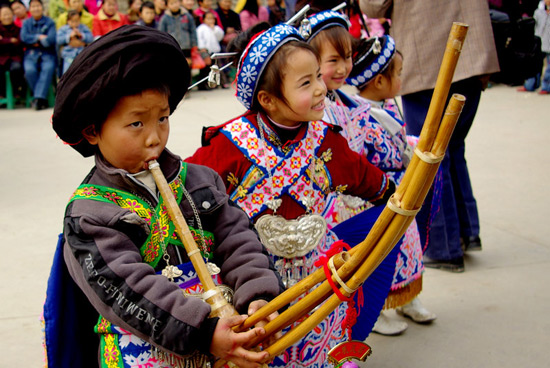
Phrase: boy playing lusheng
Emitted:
{"points": [[114, 102]]}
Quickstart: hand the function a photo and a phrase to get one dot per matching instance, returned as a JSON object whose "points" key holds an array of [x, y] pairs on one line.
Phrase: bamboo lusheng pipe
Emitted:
{"points": [[427, 138], [389, 238], [425, 174], [212, 294], [390, 226], [453, 49]]}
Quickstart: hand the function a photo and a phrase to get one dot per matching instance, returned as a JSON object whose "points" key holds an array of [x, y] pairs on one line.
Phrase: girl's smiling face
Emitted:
{"points": [[303, 89], [135, 131], [334, 67]]}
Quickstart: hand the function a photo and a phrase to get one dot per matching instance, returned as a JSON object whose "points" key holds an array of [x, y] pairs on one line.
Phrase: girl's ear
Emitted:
{"points": [[90, 134], [379, 81], [266, 101]]}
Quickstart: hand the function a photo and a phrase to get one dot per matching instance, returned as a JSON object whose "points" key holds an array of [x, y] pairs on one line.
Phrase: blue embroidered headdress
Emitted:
{"points": [[372, 57], [323, 20], [257, 55]]}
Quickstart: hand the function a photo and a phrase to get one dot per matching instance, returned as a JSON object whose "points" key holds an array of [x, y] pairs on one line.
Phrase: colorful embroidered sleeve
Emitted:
{"points": [[352, 172]]}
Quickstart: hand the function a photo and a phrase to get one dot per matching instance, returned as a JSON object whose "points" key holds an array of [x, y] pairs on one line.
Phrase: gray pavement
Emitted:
{"points": [[493, 315]]}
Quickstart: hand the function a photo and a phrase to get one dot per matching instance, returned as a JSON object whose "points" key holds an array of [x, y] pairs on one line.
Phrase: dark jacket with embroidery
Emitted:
{"points": [[102, 242]]}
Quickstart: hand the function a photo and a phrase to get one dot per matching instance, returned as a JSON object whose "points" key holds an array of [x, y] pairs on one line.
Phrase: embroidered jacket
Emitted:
{"points": [[102, 252], [336, 166]]}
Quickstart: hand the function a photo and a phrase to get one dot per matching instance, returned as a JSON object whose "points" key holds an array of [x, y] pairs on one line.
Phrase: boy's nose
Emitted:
{"points": [[153, 138]]}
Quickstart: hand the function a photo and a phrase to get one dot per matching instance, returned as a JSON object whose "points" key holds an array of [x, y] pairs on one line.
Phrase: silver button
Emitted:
{"points": [[206, 205]]}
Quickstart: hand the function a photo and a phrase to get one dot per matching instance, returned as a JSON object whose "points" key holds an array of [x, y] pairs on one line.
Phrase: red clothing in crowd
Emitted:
{"points": [[104, 24]]}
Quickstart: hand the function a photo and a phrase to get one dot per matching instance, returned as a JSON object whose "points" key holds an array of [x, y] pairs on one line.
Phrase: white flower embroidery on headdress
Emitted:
{"points": [[257, 55], [360, 76]]}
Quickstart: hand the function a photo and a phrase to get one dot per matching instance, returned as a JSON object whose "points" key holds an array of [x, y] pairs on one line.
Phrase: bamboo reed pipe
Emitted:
{"points": [[389, 238], [386, 223], [219, 306], [453, 49], [454, 108], [291, 294], [443, 83]]}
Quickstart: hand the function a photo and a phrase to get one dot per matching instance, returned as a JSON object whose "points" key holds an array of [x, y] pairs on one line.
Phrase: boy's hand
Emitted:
{"points": [[228, 345], [252, 308]]}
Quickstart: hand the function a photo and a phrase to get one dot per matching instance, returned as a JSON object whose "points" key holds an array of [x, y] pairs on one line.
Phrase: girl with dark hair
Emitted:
{"points": [[280, 163]]}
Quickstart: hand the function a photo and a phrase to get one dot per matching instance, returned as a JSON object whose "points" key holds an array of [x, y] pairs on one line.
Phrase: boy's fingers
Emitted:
{"points": [[243, 337], [247, 358], [235, 320]]}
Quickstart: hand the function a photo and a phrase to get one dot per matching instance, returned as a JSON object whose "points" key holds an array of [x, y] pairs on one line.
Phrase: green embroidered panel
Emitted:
{"points": [[162, 229]]}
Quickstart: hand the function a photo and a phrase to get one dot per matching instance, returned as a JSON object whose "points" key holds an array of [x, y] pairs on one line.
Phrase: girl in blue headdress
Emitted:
{"points": [[377, 75], [281, 163]]}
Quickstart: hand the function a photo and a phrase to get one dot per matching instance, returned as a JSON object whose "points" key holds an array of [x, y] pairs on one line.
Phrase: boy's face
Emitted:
{"points": [[209, 19], [148, 15], [74, 21], [136, 5], [160, 5], [189, 4], [6, 16], [174, 5], [36, 9], [206, 4], [109, 7], [224, 4], [19, 10], [135, 132], [76, 5]]}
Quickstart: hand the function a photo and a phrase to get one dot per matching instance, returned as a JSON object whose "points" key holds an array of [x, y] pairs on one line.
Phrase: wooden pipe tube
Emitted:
{"points": [[395, 229], [291, 294], [441, 92], [219, 306], [418, 189]]}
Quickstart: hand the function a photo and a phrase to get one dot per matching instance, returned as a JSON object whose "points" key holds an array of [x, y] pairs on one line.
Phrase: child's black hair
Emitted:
{"points": [[206, 13], [147, 4], [251, 6], [17, 1], [71, 13], [271, 79]]}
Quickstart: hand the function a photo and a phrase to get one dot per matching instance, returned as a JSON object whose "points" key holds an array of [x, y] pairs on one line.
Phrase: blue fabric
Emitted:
{"points": [[39, 70], [39, 60], [70, 340], [458, 215], [533, 83], [68, 53], [377, 286]]}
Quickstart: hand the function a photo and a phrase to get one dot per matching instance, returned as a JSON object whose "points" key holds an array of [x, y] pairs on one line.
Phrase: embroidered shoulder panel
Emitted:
{"points": [[296, 171], [162, 229]]}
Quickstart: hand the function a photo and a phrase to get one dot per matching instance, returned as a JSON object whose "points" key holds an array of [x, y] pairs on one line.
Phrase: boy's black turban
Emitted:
{"points": [[125, 61]]}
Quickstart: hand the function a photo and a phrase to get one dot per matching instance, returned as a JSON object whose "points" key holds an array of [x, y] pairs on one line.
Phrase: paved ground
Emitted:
{"points": [[493, 315]]}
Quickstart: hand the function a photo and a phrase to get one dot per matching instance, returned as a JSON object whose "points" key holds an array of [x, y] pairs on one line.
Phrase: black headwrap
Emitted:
{"points": [[124, 62]]}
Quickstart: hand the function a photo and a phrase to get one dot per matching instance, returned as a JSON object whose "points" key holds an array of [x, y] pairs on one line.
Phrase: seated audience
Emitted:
{"points": [[72, 38], [39, 60]]}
